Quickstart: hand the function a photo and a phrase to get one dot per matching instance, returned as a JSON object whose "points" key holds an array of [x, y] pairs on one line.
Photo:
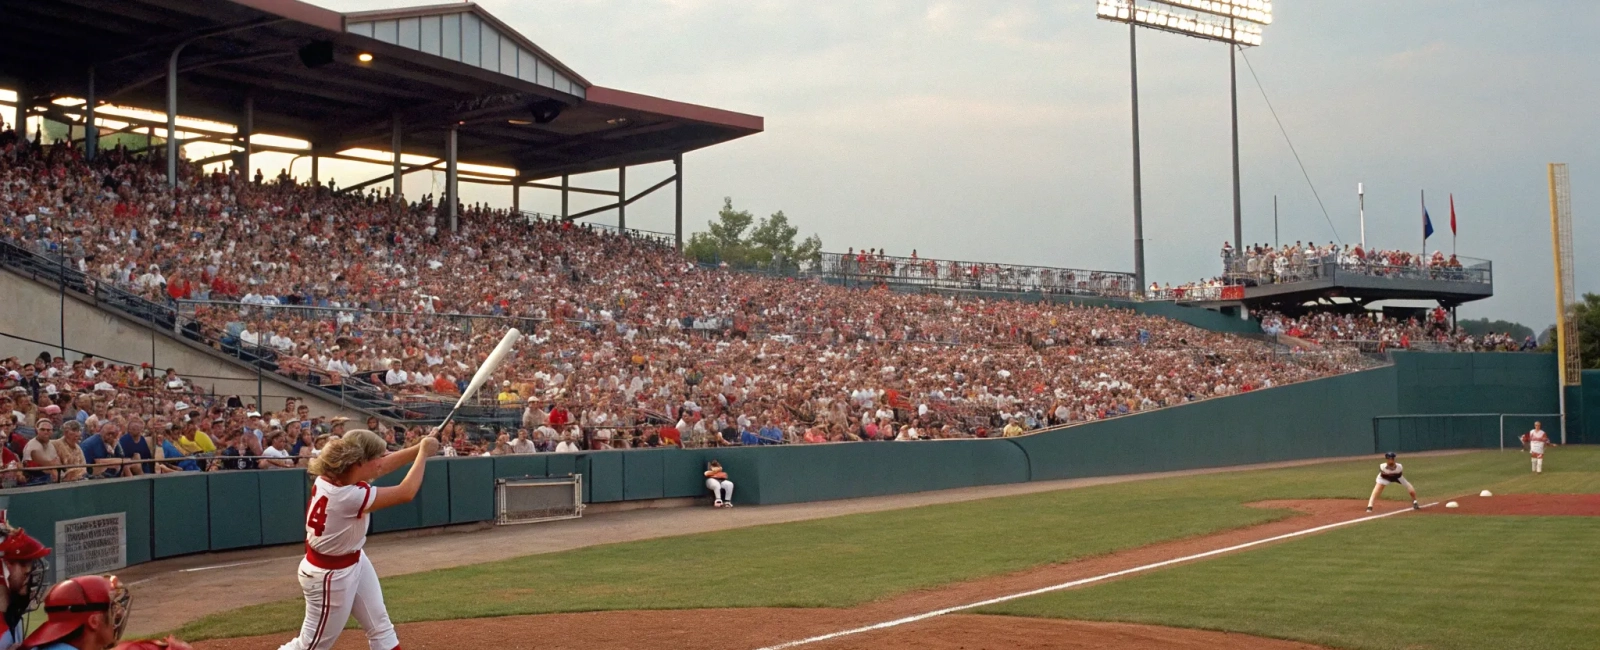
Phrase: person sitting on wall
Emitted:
{"points": [[721, 488]]}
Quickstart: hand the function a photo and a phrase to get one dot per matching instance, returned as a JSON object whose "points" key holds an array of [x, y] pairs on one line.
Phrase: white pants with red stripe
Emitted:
{"points": [[332, 596]]}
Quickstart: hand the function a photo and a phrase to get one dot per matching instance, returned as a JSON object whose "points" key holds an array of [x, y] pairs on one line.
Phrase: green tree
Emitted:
{"points": [[1484, 326], [770, 245], [1585, 316], [1586, 319]]}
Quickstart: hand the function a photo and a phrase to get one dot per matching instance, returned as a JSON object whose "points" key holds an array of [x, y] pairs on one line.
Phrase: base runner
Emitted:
{"points": [[1390, 472], [1533, 442], [336, 576]]}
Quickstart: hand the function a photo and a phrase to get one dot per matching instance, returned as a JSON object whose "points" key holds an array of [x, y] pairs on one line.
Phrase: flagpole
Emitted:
{"points": [[1424, 227]]}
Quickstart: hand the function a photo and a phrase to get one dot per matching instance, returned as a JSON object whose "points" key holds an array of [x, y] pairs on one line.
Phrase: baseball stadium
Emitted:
{"points": [[255, 411]]}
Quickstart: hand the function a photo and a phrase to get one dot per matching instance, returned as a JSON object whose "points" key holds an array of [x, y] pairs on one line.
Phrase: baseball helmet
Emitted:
{"points": [[70, 604], [20, 547], [168, 643], [1389, 454]]}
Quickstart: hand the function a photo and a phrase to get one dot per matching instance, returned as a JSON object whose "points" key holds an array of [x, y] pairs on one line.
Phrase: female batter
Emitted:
{"points": [[1389, 472], [336, 576]]}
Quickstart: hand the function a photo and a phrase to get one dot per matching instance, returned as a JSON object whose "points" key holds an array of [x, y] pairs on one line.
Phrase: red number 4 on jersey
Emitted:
{"points": [[317, 521]]}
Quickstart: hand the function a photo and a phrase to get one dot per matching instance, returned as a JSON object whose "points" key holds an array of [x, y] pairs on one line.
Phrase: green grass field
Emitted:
{"points": [[1401, 582], [849, 560]]}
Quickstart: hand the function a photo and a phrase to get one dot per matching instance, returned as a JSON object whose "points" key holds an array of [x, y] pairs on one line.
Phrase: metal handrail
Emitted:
{"points": [[966, 275]]}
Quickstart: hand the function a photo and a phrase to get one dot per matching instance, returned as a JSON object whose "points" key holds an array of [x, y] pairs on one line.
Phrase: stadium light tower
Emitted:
{"points": [[1235, 22]]}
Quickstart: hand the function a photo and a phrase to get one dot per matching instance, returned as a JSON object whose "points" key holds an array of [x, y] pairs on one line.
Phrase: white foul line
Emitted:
{"points": [[1076, 583]]}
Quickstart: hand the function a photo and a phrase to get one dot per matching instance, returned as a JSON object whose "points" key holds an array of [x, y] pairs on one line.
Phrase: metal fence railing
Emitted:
{"points": [[852, 268], [1259, 270]]}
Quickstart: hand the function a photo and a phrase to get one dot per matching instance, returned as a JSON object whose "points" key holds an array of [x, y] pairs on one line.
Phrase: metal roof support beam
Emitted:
{"points": [[622, 190], [516, 196], [91, 133], [247, 127], [315, 179], [619, 205], [172, 115], [565, 187], [24, 104], [395, 192], [677, 211], [451, 178]]}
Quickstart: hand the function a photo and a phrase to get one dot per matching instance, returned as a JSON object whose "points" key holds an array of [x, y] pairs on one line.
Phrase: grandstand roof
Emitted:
{"points": [[435, 65]]}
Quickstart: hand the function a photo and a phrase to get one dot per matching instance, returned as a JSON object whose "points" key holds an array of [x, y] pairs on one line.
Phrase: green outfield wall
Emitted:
{"points": [[175, 515]]}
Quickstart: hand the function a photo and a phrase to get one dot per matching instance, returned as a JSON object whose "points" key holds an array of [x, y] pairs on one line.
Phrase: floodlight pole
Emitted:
{"points": [[1233, 93], [1138, 190]]}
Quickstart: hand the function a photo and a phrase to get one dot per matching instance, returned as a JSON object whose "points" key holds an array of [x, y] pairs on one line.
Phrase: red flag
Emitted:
{"points": [[1452, 214]]}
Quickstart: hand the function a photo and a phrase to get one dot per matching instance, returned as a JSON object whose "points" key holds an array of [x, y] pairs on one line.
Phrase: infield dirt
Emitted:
{"points": [[1532, 505]]}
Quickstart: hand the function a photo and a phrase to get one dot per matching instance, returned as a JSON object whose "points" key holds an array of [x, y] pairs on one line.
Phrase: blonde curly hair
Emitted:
{"points": [[354, 448]]}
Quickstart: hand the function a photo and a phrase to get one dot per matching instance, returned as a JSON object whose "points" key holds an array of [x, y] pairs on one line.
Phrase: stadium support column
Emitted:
{"points": [[622, 198], [677, 210], [245, 130], [394, 147], [172, 115], [516, 194], [91, 134], [316, 180], [452, 197], [1138, 190], [24, 95], [564, 194]]}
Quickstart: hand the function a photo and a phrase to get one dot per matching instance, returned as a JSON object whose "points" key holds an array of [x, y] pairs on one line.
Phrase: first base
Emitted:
{"points": [[1452, 504], [1485, 493]]}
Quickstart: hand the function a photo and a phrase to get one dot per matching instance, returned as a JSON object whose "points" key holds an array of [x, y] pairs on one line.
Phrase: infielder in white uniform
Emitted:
{"points": [[336, 576], [1533, 442], [1390, 472]]}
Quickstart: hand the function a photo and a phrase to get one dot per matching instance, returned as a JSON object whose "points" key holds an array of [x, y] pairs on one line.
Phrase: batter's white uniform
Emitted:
{"points": [[336, 577], [1390, 475], [1536, 440]]}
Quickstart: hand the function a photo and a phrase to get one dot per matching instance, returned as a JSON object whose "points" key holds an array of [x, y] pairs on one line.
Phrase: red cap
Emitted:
{"points": [[69, 606], [22, 547]]}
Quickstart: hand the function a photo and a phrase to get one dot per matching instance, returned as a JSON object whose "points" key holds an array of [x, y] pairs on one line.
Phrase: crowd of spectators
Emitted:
{"points": [[629, 344], [1380, 334], [1263, 264]]}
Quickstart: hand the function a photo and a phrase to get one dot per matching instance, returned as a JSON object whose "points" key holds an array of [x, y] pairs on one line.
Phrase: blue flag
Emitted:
{"points": [[1427, 224]]}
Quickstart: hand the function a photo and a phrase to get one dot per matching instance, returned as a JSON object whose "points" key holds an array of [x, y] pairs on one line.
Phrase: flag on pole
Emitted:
{"points": [[1452, 215], [1427, 224]]}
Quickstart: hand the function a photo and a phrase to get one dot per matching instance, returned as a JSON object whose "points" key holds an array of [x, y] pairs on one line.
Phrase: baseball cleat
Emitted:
{"points": [[1369, 508], [717, 503], [1416, 506]]}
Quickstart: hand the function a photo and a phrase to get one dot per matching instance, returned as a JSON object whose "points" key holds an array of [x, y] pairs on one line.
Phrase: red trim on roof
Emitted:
{"points": [[297, 11], [669, 108]]}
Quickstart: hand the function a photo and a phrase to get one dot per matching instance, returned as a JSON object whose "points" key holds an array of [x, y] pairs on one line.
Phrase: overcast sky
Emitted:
{"points": [[999, 131]]}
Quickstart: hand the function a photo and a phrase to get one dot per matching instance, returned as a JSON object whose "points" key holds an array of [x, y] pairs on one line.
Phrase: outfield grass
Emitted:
{"points": [[853, 559], [1420, 582]]}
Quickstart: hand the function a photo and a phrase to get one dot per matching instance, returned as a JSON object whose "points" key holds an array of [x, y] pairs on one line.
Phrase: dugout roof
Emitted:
{"points": [[433, 65]]}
